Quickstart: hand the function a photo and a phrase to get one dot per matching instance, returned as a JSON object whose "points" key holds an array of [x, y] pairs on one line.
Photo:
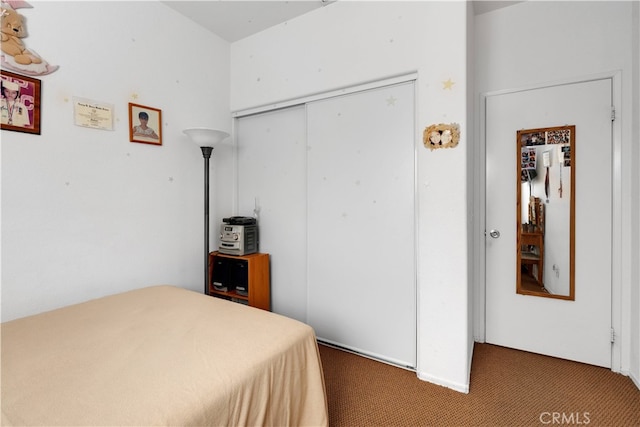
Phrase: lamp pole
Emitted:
{"points": [[206, 138], [206, 153]]}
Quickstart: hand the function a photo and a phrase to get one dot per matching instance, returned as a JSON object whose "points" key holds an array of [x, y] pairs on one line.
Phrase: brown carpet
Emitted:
{"points": [[508, 388]]}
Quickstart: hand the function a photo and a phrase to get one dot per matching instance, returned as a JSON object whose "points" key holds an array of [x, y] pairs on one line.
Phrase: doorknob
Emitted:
{"points": [[494, 233]]}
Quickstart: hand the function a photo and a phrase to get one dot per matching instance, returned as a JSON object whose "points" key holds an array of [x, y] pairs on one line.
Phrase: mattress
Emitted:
{"points": [[161, 355]]}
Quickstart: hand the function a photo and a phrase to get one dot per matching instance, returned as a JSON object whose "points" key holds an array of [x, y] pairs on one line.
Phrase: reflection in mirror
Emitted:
{"points": [[545, 212]]}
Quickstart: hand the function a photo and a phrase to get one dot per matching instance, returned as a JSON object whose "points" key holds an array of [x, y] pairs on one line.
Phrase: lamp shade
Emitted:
{"points": [[205, 137]]}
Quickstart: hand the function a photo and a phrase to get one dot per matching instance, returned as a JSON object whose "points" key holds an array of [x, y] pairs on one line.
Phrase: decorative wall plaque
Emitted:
{"points": [[441, 136]]}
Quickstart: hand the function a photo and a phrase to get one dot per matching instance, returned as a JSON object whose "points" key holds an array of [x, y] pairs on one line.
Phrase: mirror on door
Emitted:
{"points": [[545, 212]]}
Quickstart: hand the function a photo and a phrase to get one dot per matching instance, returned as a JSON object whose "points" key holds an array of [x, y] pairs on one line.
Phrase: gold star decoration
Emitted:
{"points": [[134, 96], [448, 84]]}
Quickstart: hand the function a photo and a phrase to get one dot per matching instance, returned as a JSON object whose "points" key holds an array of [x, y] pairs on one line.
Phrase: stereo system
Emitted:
{"points": [[238, 236]]}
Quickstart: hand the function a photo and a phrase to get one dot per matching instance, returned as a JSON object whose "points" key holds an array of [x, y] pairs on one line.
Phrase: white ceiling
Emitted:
{"points": [[484, 6], [236, 19]]}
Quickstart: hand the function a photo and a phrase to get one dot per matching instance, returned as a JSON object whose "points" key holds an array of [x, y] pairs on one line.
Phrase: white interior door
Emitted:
{"points": [[577, 330], [361, 222]]}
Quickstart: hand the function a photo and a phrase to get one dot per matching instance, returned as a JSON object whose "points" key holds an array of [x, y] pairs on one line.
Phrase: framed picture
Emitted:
{"points": [[20, 107], [145, 124]]}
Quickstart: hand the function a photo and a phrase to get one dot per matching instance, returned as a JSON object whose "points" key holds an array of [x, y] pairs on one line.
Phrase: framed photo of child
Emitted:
{"points": [[20, 103], [145, 124]]}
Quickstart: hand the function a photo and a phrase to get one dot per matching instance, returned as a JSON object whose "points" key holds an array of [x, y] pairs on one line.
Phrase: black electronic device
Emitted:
{"points": [[230, 275], [221, 275], [239, 277], [239, 220]]}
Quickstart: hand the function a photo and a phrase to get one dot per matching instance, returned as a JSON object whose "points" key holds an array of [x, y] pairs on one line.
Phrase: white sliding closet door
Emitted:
{"points": [[272, 175], [360, 222]]}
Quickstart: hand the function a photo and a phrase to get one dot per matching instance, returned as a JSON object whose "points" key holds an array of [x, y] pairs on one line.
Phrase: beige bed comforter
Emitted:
{"points": [[161, 356]]}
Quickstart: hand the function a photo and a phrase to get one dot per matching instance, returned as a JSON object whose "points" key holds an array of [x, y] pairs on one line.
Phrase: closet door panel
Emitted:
{"points": [[272, 178], [360, 222]]}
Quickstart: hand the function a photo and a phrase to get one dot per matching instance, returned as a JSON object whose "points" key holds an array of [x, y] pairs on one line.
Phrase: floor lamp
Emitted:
{"points": [[206, 139]]}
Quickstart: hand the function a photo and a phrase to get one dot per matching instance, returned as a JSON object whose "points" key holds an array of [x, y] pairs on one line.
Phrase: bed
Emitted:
{"points": [[161, 355]]}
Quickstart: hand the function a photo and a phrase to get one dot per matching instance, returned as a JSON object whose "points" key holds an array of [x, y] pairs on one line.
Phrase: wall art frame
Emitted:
{"points": [[21, 99], [145, 124]]}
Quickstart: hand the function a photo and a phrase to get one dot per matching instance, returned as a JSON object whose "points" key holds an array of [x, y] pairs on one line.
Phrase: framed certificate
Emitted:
{"points": [[92, 114]]}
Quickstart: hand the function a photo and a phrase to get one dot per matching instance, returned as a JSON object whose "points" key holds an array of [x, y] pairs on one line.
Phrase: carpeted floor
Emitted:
{"points": [[508, 388]]}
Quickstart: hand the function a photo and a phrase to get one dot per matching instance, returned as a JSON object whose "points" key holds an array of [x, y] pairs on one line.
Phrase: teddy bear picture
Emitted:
{"points": [[15, 55]]}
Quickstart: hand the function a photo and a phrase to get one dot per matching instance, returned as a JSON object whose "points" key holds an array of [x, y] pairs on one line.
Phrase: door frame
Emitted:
{"points": [[479, 259]]}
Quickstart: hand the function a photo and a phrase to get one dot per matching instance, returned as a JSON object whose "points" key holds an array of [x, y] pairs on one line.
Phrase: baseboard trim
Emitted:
{"points": [[462, 388], [372, 356], [635, 380]]}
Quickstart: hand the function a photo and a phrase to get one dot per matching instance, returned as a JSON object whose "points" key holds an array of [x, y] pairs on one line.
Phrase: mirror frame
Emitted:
{"points": [[519, 289]]}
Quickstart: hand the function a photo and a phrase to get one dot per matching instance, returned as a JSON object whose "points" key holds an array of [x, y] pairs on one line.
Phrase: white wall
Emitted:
{"points": [[86, 212], [537, 43], [348, 43]]}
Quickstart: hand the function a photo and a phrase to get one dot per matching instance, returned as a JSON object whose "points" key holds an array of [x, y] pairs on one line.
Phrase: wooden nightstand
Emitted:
{"points": [[231, 275]]}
